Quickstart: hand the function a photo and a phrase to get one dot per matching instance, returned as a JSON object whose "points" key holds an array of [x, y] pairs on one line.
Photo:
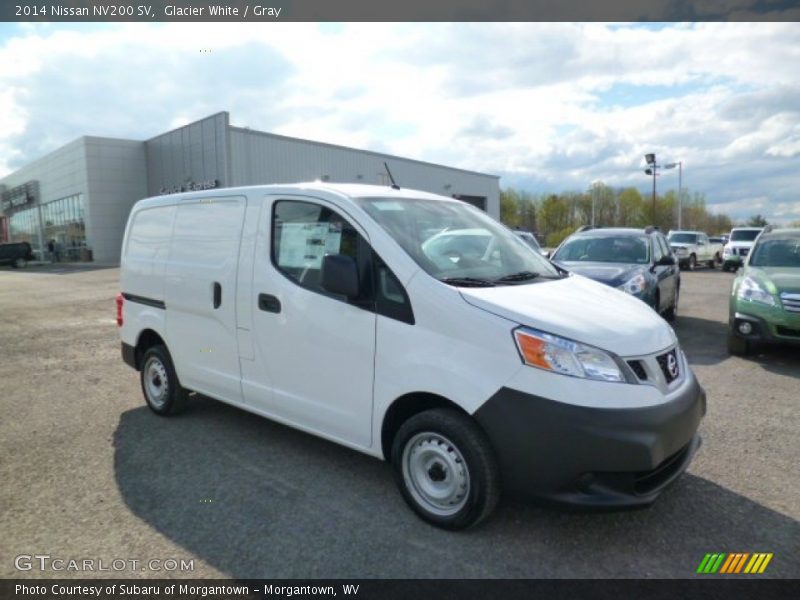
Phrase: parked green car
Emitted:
{"points": [[765, 299]]}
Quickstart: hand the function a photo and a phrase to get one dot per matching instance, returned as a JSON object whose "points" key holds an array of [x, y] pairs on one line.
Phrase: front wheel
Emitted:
{"points": [[20, 263], [692, 263], [160, 386], [446, 469], [672, 312]]}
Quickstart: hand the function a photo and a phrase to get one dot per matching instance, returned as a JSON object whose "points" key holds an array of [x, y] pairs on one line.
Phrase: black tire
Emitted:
{"points": [[672, 312], [162, 390], [690, 266], [725, 268], [738, 346], [443, 440], [19, 263]]}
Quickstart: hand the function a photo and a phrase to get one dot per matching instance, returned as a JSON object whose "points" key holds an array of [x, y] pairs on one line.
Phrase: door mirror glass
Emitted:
{"points": [[666, 261], [340, 275]]}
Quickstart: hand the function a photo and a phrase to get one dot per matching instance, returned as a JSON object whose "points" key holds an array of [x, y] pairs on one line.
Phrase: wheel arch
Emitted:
{"points": [[405, 407], [147, 339]]}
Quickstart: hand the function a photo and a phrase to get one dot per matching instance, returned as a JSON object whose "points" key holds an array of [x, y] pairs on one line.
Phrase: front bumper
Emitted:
{"points": [[732, 261], [589, 456], [768, 324]]}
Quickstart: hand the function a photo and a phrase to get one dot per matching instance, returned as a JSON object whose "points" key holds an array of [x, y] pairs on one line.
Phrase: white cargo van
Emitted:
{"points": [[414, 328]]}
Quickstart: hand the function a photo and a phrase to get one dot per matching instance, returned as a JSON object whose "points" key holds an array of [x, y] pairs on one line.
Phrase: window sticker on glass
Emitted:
{"points": [[304, 244]]}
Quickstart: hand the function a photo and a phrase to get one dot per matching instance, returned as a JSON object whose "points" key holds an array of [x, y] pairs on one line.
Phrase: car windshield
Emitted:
{"points": [[777, 252], [607, 248], [683, 238], [744, 235], [457, 243]]}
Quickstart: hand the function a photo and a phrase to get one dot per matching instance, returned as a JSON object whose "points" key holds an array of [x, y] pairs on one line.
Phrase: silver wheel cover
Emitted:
{"points": [[156, 383], [435, 473]]}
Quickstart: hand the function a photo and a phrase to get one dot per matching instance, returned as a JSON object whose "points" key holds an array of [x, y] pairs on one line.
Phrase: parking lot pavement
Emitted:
{"points": [[88, 472]]}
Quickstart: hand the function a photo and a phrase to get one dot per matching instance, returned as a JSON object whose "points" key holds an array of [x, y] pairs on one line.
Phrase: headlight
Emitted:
{"points": [[750, 290], [559, 355], [635, 285], [727, 251]]}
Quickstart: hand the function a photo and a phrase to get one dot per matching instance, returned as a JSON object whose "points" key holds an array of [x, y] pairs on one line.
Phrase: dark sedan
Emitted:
{"points": [[636, 261]]}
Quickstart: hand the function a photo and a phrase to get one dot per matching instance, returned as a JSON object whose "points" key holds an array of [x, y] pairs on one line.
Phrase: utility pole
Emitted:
{"points": [[651, 160]]}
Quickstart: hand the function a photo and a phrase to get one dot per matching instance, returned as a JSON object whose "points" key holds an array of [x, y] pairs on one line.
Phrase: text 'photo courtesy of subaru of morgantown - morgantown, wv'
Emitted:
{"points": [[440, 340]]}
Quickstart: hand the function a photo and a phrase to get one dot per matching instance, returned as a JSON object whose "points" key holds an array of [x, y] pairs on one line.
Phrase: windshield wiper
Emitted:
{"points": [[467, 282], [521, 276]]}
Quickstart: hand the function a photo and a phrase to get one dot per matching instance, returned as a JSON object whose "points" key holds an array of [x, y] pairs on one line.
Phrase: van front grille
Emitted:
{"points": [[669, 365], [637, 367]]}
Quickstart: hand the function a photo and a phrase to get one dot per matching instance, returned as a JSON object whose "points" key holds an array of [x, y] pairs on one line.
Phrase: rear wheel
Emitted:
{"points": [[446, 469], [738, 346], [160, 386]]}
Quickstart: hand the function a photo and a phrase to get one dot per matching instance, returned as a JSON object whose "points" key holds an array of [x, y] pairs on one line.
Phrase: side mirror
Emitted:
{"points": [[340, 275], [666, 261]]}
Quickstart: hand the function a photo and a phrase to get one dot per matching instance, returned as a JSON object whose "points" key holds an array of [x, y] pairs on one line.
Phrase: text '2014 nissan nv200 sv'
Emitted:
{"points": [[414, 328]]}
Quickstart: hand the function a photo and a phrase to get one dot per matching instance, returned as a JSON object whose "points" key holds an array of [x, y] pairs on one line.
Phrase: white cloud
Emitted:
{"points": [[555, 105]]}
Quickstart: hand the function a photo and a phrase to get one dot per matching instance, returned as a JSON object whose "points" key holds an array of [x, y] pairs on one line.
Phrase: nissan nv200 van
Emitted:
{"points": [[414, 328]]}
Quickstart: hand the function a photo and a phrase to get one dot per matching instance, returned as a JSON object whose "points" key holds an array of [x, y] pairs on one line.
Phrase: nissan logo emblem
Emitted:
{"points": [[672, 366]]}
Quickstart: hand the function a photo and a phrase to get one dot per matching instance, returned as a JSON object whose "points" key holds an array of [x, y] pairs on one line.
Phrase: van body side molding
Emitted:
{"points": [[144, 300]]}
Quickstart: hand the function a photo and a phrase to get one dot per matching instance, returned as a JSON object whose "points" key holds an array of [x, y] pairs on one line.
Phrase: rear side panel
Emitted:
{"points": [[200, 295]]}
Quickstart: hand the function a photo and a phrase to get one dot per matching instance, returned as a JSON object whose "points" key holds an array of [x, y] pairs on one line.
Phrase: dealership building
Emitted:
{"points": [[79, 196]]}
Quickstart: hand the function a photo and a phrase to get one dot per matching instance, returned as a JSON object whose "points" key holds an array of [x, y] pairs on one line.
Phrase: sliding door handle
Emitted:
{"points": [[217, 295], [269, 303]]}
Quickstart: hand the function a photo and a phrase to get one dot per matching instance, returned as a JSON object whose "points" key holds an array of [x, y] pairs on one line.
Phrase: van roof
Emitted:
{"points": [[352, 190]]}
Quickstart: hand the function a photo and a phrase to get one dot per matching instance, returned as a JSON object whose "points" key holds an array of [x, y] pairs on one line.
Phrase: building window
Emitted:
{"points": [[23, 226], [64, 224]]}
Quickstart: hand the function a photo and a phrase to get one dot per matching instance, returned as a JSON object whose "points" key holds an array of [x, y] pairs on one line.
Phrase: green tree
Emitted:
{"points": [[554, 214], [631, 210], [757, 221], [509, 207]]}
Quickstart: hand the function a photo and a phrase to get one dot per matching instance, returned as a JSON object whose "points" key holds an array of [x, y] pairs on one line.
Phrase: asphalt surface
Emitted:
{"points": [[88, 472]]}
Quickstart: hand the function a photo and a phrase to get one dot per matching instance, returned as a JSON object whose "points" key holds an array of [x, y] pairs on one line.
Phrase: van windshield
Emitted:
{"points": [[458, 243]]}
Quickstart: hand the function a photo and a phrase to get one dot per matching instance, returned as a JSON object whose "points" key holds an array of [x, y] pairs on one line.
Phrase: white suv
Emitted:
{"points": [[739, 244]]}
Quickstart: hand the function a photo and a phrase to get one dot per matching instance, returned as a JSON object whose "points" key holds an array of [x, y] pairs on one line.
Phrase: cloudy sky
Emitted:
{"points": [[548, 107]]}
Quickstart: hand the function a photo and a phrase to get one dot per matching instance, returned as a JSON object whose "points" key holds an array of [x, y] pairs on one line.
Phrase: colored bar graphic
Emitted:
{"points": [[703, 563], [717, 564], [724, 563], [741, 562], [765, 563]]}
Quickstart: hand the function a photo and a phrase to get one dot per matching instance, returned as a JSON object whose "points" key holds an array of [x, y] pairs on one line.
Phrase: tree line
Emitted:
{"points": [[555, 216]]}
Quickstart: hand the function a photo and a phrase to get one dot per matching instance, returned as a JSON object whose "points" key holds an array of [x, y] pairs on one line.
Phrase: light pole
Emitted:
{"points": [[651, 170], [595, 184], [672, 165]]}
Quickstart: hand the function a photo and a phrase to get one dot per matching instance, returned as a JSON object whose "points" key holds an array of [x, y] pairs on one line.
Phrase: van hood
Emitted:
{"points": [[579, 309]]}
